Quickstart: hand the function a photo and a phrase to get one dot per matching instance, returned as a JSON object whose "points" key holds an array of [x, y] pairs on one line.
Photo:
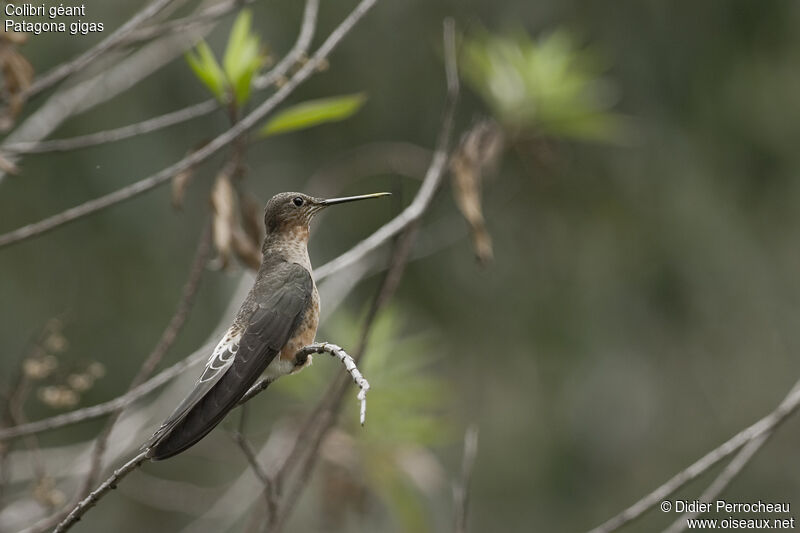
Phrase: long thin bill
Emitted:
{"points": [[333, 201]]}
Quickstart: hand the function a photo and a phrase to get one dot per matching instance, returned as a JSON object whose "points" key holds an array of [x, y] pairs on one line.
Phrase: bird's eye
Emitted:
{"points": [[297, 201]]}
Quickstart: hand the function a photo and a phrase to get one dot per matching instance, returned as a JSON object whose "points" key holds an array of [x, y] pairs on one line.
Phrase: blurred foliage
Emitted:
{"points": [[550, 85], [312, 113], [243, 57], [412, 409], [59, 380], [408, 408]]}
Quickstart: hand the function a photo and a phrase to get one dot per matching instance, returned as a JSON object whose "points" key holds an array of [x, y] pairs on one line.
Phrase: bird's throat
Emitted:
{"points": [[289, 244]]}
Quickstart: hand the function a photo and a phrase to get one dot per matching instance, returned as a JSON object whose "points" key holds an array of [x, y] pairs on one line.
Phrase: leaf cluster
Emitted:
{"points": [[231, 82], [550, 85]]}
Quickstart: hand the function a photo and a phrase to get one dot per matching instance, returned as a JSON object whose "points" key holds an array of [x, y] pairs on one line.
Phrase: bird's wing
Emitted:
{"points": [[237, 361]]}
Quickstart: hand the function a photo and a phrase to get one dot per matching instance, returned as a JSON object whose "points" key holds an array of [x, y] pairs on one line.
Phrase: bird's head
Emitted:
{"points": [[293, 211]]}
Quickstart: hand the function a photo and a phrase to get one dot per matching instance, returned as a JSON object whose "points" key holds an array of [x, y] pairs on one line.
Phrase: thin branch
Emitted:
{"points": [[431, 183], [309, 438], [260, 473], [199, 356], [397, 264], [306, 450], [432, 179], [16, 412], [102, 409], [66, 69], [165, 342], [117, 134], [84, 505], [731, 470], [297, 52], [185, 304], [185, 114], [96, 411], [183, 24], [401, 158], [111, 483], [324, 416], [333, 39], [117, 73], [150, 182], [461, 489], [764, 427]]}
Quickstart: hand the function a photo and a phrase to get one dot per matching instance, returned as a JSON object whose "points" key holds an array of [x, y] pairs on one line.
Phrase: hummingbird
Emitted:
{"points": [[278, 317]]}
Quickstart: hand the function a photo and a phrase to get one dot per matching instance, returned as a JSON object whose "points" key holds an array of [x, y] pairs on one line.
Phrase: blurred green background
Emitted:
{"points": [[642, 306]]}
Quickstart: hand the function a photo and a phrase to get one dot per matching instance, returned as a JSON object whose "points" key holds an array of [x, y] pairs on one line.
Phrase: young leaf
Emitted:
{"points": [[206, 68], [240, 34], [250, 60], [242, 57], [313, 112]]}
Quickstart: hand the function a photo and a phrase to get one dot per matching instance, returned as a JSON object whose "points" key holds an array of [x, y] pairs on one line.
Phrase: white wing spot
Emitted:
{"points": [[222, 356]]}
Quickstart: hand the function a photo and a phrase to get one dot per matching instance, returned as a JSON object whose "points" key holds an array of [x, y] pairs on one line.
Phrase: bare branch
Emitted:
{"points": [[260, 473], [336, 351], [732, 469], [461, 489], [117, 73], [324, 416], [62, 71], [431, 183], [298, 51], [84, 505], [117, 134], [111, 483], [401, 158], [333, 39], [163, 345], [764, 427], [185, 114], [96, 411], [183, 24], [150, 182], [15, 414], [305, 450]]}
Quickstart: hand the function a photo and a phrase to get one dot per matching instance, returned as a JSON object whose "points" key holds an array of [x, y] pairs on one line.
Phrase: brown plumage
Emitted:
{"points": [[278, 317]]}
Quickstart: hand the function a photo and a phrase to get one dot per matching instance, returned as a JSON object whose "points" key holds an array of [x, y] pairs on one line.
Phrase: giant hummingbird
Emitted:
{"points": [[278, 317]]}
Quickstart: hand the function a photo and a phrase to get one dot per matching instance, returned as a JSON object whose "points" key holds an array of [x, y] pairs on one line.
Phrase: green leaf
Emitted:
{"points": [[242, 56], [206, 68], [250, 61], [313, 113]]}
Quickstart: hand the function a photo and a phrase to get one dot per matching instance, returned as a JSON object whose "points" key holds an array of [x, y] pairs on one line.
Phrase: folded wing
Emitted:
{"points": [[243, 354]]}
